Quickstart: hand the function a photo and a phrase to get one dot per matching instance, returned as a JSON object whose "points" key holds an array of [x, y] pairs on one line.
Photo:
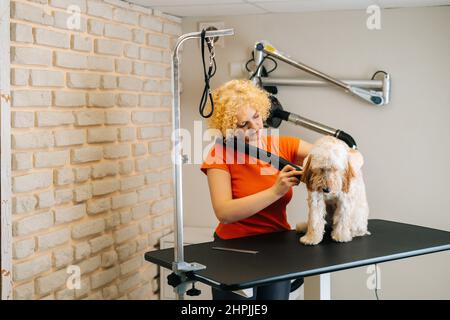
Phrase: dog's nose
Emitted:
{"points": [[326, 190]]}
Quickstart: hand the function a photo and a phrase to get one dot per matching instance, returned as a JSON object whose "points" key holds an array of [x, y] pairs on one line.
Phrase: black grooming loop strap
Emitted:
{"points": [[207, 74]]}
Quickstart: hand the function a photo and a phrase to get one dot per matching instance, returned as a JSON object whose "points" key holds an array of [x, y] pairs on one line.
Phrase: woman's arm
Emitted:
{"points": [[229, 210]]}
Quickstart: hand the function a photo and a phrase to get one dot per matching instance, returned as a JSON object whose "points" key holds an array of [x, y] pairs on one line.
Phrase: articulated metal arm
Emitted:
{"points": [[361, 89], [378, 98], [277, 114]]}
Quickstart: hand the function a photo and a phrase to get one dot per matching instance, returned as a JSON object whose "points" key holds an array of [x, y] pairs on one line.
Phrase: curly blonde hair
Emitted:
{"points": [[230, 97]]}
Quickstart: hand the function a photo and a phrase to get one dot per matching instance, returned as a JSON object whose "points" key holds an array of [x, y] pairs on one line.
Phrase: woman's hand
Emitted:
{"points": [[285, 180]]}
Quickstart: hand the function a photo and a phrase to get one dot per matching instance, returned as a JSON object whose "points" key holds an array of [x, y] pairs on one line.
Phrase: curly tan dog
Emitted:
{"points": [[336, 192]]}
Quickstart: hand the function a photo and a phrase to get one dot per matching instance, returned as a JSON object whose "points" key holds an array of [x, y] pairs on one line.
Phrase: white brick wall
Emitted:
{"points": [[116, 151], [83, 80], [100, 243], [117, 117], [98, 206], [81, 43], [23, 248], [90, 153], [53, 239], [69, 137], [88, 228], [32, 181], [19, 77], [51, 159], [31, 56], [105, 186], [54, 119], [21, 33], [45, 78], [69, 99], [63, 176], [104, 100], [104, 277], [89, 118], [63, 257], [33, 223], [99, 9], [22, 161], [70, 60], [23, 204], [105, 169], [46, 199], [51, 38], [68, 214], [102, 135], [30, 268], [86, 154], [108, 259], [51, 282]]}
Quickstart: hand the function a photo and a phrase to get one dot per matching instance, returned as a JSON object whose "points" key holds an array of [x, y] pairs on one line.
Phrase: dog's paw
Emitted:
{"points": [[301, 227], [341, 236], [310, 240], [361, 233]]}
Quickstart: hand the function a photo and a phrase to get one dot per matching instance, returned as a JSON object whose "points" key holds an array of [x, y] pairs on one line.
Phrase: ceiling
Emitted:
{"points": [[197, 8]]}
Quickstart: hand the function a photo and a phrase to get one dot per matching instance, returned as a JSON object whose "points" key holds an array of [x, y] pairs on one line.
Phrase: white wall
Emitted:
{"points": [[405, 143]]}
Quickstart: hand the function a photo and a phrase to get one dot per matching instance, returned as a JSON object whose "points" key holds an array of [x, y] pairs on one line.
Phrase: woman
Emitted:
{"points": [[248, 198]]}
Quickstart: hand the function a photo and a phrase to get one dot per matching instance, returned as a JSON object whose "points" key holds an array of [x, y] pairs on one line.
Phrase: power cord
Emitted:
{"points": [[379, 71], [275, 65]]}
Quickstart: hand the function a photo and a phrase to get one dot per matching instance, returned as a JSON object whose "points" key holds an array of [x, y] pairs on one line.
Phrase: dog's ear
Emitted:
{"points": [[306, 175], [348, 176], [356, 159]]}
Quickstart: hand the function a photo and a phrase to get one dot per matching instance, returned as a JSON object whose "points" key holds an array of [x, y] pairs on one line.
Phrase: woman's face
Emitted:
{"points": [[249, 122]]}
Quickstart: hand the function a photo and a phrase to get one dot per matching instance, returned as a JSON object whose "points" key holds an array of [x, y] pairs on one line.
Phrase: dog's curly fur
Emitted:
{"points": [[332, 166]]}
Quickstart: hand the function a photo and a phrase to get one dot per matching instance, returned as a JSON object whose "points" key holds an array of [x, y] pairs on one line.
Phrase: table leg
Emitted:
{"points": [[318, 287]]}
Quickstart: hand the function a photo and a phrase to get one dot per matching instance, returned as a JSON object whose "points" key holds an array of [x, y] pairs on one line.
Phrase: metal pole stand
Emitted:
{"points": [[178, 278]]}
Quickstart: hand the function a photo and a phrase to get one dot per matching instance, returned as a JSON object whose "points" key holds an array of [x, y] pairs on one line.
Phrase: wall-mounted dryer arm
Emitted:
{"points": [[277, 114], [378, 98]]}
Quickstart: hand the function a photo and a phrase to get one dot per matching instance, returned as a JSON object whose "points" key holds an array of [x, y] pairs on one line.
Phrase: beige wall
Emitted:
{"points": [[91, 147], [405, 143]]}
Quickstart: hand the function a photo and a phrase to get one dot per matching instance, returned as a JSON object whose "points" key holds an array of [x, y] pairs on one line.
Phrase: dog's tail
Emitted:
{"points": [[301, 227]]}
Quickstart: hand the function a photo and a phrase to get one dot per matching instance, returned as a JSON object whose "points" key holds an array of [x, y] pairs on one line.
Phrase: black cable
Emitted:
{"points": [[275, 65], [207, 76], [257, 68], [252, 59], [379, 71]]}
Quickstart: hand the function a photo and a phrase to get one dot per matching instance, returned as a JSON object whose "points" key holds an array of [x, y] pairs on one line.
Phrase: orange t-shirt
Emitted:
{"points": [[250, 175]]}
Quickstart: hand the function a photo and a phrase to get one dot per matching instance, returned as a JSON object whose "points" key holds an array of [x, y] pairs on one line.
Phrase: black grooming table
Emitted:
{"points": [[282, 257]]}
